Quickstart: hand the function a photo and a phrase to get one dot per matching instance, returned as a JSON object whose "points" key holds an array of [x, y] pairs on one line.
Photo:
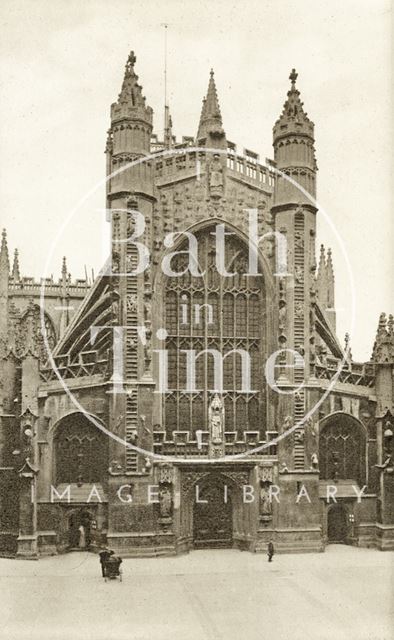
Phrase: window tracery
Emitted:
{"points": [[231, 315]]}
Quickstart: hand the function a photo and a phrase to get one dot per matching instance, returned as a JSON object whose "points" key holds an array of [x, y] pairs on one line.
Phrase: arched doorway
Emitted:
{"points": [[79, 529], [337, 524], [213, 515]]}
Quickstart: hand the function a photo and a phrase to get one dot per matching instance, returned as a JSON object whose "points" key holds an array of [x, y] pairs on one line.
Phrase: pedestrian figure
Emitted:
{"points": [[270, 551], [104, 556], [82, 537]]}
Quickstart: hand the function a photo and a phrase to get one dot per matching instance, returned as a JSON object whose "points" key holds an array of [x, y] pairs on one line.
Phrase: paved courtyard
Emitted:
{"points": [[345, 593]]}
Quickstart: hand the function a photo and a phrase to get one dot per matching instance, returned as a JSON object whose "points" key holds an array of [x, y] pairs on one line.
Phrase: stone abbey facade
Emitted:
{"points": [[221, 474]]}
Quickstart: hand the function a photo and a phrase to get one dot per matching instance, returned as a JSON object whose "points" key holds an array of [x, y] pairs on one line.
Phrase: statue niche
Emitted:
{"points": [[265, 501], [216, 427], [215, 177]]}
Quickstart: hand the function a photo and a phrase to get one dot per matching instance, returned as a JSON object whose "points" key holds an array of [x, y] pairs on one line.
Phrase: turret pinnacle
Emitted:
{"points": [[321, 278], [321, 274], [293, 117], [131, 118], [131, 103], [330, 278], [383, 349], [131, 91], [211, 124], [64, 269], [15, 267], [4, 259]]}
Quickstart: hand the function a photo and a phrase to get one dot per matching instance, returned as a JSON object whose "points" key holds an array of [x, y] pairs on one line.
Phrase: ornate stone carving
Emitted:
{"points": [[299, 274], [299, 310], [166, 473], [190, 479], [266, 474], [239, 477]]}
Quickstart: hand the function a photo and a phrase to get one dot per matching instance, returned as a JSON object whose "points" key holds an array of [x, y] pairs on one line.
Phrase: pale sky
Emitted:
{"points": [[62, 65]]}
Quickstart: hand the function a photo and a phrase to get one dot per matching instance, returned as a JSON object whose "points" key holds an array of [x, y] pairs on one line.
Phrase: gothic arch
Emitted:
{"points": [[80, 450], [52, 431], [32, 329], [342, 448], [242, 303], [205, 224]]}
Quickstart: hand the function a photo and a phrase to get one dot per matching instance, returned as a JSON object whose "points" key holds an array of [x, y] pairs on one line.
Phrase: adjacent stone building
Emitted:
{"points": [[107, 441]]}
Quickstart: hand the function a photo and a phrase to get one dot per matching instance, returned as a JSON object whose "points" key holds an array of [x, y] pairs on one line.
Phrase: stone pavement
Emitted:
{"points": [[344, 593]]}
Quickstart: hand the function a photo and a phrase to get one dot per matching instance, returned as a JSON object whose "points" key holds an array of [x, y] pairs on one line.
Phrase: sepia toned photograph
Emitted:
{"points": [[196, 320]]}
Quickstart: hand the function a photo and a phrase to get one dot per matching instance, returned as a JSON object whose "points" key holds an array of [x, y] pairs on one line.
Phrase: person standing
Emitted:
{"points": [[82, 537], [270, 551]]}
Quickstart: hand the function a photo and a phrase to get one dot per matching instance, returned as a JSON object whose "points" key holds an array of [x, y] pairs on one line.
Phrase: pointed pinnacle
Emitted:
{"points": [[4, 239], [211, 117], [15, 267], [330, 265], [4, 260]]}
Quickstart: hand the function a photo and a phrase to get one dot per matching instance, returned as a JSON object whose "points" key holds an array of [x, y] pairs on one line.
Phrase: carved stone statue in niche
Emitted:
{"points": [[265, 499], [215, 179], [165, 500], [131, 302], [115, 310], [216, 420], [282, 315], [115, 262], [314, 461], [298, 240]]}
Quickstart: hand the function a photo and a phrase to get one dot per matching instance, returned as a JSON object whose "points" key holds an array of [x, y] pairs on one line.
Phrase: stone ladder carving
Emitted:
{"points": [[131, 359], [299, 339]]}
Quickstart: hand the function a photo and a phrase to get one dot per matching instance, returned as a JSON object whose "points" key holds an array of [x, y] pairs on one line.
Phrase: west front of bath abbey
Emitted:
{"points": [[195, 395]]}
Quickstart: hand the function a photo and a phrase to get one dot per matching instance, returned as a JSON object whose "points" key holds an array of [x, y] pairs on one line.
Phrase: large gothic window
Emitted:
{"points": [[342, 449], [81, 451], [214, 312]]}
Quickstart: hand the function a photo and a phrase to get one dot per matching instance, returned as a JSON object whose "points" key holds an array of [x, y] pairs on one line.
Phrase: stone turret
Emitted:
{"points": [[294, 149], [295, 218]]}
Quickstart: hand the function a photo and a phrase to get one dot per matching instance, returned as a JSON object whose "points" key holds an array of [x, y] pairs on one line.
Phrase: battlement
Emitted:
{"points": [[31, 287], [185, 164]]}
